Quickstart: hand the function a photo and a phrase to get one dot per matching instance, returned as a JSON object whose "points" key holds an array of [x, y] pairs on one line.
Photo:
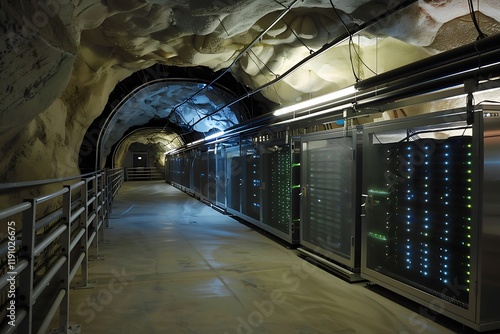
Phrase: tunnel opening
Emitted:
{"points": [[182, 105]]}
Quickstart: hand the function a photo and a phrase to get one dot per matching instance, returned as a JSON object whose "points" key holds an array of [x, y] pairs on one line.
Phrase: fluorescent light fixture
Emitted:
{"points": [[171, 151], [215, 135], [314, 114], [317, 101], [196, 142]]}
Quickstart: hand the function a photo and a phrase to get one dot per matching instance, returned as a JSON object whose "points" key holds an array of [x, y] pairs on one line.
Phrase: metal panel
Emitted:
{"points": [[489, 289], [220, 175], [204, 185], [423, 232], [276, 172], [233, 179], [280, 165], [250, 180], [196, 170], [330, 223], [212, 176]]}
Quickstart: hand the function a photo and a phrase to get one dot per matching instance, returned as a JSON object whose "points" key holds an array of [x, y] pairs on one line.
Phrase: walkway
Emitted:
{"points": [[174, 265]]}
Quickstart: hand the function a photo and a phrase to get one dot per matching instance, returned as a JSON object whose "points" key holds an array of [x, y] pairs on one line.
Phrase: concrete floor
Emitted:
{"points": [[174, 265]]}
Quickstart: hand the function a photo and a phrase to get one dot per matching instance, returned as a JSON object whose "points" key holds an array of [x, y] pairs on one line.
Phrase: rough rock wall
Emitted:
{"points": [[60, 59]]}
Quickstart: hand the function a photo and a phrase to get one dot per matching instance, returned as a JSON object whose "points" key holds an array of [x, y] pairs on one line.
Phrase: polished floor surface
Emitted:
{"points": [[175, 265]]}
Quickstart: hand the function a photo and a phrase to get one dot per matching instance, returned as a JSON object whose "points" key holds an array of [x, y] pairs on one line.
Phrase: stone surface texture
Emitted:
{"points": [[60, 59]]}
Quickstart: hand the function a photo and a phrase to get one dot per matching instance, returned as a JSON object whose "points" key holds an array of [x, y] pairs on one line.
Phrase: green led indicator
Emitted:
{"points": [[378, 192], [377, 236]]}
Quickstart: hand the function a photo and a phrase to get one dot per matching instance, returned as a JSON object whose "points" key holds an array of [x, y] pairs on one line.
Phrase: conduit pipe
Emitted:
{"points": [[437, 75], [242, 53], [461, 56], [312, 56]]}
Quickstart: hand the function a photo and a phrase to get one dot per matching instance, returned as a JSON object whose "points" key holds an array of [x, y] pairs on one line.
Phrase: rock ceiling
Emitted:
{"points": [[61, 59]]}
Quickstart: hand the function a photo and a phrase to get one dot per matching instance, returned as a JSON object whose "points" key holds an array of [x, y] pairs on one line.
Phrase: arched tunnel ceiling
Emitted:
{"points": [[61, 59], [168, 100]]}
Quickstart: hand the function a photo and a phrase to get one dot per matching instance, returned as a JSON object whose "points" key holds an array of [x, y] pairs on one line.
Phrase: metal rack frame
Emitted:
{"points": [[348, 267], [482, 312]]}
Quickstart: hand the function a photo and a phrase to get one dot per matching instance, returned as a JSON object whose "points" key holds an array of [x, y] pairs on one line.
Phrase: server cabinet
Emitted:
{"points": [[250, 180], [167, 168], [196, 170], [176, 169], [430, 226], [280, 188], [233, 179], [211, 186], [185, 171], [204, 173], [330, 204], [220, 175]]}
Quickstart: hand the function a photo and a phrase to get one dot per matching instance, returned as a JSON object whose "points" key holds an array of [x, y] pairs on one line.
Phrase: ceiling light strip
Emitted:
{"points": [[317, 101]]}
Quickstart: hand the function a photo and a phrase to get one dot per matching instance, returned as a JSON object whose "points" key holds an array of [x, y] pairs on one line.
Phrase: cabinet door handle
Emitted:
{"points": [[367, 204]]}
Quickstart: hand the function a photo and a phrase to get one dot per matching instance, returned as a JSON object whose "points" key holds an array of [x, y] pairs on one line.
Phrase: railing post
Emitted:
{"points": [[25, 295], [97, 209], [82, 246], [63, 276], [103, 214], [108, 187]]}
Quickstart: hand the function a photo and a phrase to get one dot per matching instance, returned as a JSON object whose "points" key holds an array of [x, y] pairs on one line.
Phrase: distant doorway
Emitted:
{"points": [[140, 159]]}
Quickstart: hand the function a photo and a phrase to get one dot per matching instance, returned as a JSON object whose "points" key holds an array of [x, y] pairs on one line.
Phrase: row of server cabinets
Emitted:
{"points": [[250, 177], [410, 204]]}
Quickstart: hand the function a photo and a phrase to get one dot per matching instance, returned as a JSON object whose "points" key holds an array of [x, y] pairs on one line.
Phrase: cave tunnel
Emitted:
{"points": [[315, 166]]}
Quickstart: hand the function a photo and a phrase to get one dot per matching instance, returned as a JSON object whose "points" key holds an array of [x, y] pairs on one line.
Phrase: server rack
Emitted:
{"points": [[204, 173], [220, 175], [280, 188], [250, 180], [430, 223], [330, 203], [211, 186], [233, 179], [179, 170], [169, 169], [197, 170], [243, 180], [185, 171]]}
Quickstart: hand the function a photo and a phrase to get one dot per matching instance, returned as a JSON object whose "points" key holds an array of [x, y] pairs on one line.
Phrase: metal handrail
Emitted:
{"points": [[20, 266], [86, 205], [48, 240], [14, 185], [143, 173], [14, 210], [52, 311], [50, 196], [40, 287]]}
